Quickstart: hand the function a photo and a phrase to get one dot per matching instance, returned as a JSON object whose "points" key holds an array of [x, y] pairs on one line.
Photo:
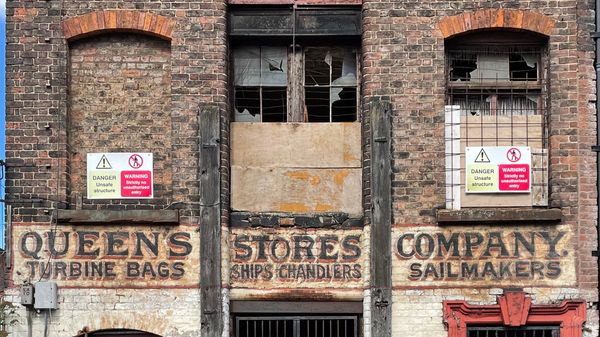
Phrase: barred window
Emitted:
{"points": [[496, 113]]}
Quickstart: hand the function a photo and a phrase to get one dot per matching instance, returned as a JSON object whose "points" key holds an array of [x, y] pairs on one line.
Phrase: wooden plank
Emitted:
{"points": [[381, 195], [94, 217], [496, 215], [210, 228], [296, 107], [258, 307], [301, 190], [271, 220], [314, 145]]}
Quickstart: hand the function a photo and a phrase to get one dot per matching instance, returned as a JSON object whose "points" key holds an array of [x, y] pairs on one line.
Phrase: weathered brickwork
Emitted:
{"points": [[38, 146], [136, 76], [119, 101], [166, 312]]}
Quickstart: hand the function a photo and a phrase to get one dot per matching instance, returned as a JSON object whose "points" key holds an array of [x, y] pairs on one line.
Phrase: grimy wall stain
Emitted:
{"points": [[121, 91]]}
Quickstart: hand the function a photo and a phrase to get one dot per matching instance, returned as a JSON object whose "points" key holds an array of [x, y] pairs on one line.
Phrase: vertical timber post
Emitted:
{"points": [[210, 227], [381, 191]]}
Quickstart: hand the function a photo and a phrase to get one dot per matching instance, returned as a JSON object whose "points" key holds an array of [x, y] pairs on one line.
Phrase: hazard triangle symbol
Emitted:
{"points": [[482, 157], [103, 164]]}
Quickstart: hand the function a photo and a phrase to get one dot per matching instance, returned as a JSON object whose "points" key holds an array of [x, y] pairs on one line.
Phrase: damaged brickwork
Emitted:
{"points": [[136, 76]]}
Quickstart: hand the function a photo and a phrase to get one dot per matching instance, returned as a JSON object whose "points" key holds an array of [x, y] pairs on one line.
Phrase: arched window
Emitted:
{"points": [[496, 95]]}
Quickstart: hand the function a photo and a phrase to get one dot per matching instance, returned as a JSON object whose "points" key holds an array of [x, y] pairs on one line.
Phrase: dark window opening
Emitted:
{"points": [[280, 84], [297, 326], [494, 66], [523, 331]]}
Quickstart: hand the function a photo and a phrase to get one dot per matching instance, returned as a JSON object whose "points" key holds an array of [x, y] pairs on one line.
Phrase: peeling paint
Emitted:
{"points": [[339, 177]]}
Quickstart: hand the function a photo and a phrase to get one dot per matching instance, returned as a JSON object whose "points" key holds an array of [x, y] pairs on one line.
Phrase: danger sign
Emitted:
{"points": [[119, 176], [498, 169]]}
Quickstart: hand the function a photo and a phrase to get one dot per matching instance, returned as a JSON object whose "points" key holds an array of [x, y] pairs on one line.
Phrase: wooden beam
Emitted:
{"points": [[210, 227], [495, 215], [100, 217], [381, 196], [286, 307]]}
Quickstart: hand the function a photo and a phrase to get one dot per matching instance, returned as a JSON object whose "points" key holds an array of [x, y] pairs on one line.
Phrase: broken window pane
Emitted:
{"points": [[343, 108], [487, 66], [317, 103], [330, 84], [246, 66], [273, 66], [461, 66], [260, 78], [274, 100], [491, 68], [317, 63], [247, 104], [523, 67], [343, 67]]}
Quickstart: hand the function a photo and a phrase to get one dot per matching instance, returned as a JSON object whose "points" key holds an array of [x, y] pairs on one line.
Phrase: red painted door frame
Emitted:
{"points": [[515, 309]]}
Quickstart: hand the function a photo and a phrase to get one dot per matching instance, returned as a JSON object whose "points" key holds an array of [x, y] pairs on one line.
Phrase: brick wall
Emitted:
{"points": [[172, 313], [403, 62], [37, 114], [119, 94]]}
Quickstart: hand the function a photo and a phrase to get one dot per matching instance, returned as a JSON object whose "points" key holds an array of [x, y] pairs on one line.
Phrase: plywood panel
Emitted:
{"points": [[318, 145], [296, 190]]}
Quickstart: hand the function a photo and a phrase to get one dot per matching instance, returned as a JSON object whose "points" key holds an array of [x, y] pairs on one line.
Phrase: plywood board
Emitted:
{"points": [[102, 257], [486, 256], [312, 145], [307, 190]]}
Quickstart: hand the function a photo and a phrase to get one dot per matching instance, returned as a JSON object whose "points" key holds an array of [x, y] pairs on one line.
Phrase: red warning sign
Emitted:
{"points": [[136, 184], [514, 177]]}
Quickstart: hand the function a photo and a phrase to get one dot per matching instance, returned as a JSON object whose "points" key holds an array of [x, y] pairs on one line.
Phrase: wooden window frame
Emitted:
{"points": [[296, 108]]}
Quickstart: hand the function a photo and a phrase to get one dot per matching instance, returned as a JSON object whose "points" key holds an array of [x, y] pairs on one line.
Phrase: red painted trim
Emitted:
{"points": [[515, 309]]}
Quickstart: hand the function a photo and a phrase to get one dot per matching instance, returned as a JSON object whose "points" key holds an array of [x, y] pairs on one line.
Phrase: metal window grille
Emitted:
{"points": [[525, 331], [501, 93], [297, 326]]}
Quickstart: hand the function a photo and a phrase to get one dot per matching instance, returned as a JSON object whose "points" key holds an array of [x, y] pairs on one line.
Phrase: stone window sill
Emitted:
{"points": [[103, 217], [498, 215]]}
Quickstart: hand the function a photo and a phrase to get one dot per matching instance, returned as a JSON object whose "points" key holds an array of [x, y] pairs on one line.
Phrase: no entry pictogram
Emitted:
{"points": [[136, 161], [513, 154]]}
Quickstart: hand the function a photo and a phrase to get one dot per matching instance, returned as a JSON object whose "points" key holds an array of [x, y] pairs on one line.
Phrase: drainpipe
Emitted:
{"points": [[596, 148]]}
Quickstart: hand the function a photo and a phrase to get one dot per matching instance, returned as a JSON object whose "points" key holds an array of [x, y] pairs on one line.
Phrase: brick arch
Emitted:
{"points": [[118, 20], [451, 26]]}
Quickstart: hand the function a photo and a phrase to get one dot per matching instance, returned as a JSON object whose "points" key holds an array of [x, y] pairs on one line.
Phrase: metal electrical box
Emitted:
{"points": [[45, 295], [27, 294]]}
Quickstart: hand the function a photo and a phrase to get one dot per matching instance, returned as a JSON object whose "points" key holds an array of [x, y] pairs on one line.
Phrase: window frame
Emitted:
{"points": [[506, 43], [296, 73]]}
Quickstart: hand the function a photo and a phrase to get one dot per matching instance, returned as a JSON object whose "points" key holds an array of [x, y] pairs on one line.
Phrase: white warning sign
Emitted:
{"points": [[120, 176], [498, 169]]}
